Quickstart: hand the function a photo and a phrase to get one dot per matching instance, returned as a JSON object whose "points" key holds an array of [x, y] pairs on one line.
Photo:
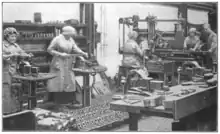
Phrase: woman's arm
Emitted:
{"points": [[21, 51], [6, 54], [213, 45], [197, 45], [52, 49], [77, 49], [137, 49], [185, 43]]}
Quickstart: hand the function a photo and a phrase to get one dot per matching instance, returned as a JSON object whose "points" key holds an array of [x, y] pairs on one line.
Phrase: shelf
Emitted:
{"points": [[43, 25], [62, 25], [41, 65], [49, 38], [142, 33], [30, 39], [140, 30], [79, 37]]}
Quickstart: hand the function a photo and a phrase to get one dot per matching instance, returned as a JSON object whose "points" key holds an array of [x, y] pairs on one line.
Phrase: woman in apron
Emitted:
{"points": [[192, 41], [132, 54], [61, 47], [9, 53]]}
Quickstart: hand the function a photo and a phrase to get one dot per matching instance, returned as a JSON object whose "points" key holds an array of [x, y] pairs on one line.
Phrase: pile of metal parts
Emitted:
{"points": [[192, 70], [48, 120], [65, 118], [95, 116]]}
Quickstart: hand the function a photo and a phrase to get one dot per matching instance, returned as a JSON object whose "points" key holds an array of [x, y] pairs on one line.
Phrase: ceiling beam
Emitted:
{"points": [[199, 7], [192, 5]]}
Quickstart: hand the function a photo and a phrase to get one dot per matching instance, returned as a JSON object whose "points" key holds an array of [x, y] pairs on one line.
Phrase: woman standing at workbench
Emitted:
{"points": [[10, 51], [61, 47]]}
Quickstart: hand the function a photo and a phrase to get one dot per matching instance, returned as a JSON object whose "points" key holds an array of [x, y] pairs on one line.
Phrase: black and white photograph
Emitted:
{"points": [[109, 66]]}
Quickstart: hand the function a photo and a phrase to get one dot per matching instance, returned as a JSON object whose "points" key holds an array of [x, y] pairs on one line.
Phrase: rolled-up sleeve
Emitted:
{"points": [[53, 47], [5, 54]]}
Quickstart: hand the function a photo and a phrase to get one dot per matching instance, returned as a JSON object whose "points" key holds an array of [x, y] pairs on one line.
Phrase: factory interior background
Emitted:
{"points": [[106, 15], [170, 87]]}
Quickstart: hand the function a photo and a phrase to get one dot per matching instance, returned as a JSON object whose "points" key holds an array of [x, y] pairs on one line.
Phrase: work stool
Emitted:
{"points": [[124, 71], [215, 67]]}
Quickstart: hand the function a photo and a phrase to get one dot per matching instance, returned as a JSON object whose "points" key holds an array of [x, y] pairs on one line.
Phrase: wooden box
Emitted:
{"points": [[142, 83], [160, 66], [156, 84], [152, 101], [21, 121]]}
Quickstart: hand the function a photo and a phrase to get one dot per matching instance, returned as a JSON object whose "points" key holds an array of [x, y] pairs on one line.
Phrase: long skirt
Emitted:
{"points": [[10, 103]]}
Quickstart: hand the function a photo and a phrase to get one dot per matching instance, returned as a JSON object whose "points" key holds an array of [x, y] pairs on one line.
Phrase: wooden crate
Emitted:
{"points": [[162, 66]]}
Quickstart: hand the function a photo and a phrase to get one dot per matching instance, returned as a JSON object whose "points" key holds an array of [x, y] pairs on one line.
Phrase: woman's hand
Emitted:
{"points": [[81, 58], [86, 55], [191, 49], [25, 55], [30, 55], [15, 54], [65, 55]]}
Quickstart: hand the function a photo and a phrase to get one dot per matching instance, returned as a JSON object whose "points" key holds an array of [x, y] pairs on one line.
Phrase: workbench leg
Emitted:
{"points": [[32, 99], [186, 124], [207, 119], [86, 91], [21, 94], [178, 126], [173, 80], [133, 122], [126, 87], [165, 79]]}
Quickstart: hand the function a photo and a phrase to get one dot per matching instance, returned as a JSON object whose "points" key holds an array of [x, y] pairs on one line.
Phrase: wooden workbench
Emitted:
{"points": [[32, 87], [183, 107], [86, 95]]}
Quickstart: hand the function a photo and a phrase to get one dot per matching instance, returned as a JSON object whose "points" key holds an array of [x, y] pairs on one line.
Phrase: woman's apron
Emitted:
{"points": [[131, 58], [65, 80]]}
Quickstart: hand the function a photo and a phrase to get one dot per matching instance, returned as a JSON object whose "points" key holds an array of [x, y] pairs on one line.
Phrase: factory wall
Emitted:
{"points": [[50, 11]]}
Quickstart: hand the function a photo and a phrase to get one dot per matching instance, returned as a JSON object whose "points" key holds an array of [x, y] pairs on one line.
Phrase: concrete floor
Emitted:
{"points": [[152, 124]]}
